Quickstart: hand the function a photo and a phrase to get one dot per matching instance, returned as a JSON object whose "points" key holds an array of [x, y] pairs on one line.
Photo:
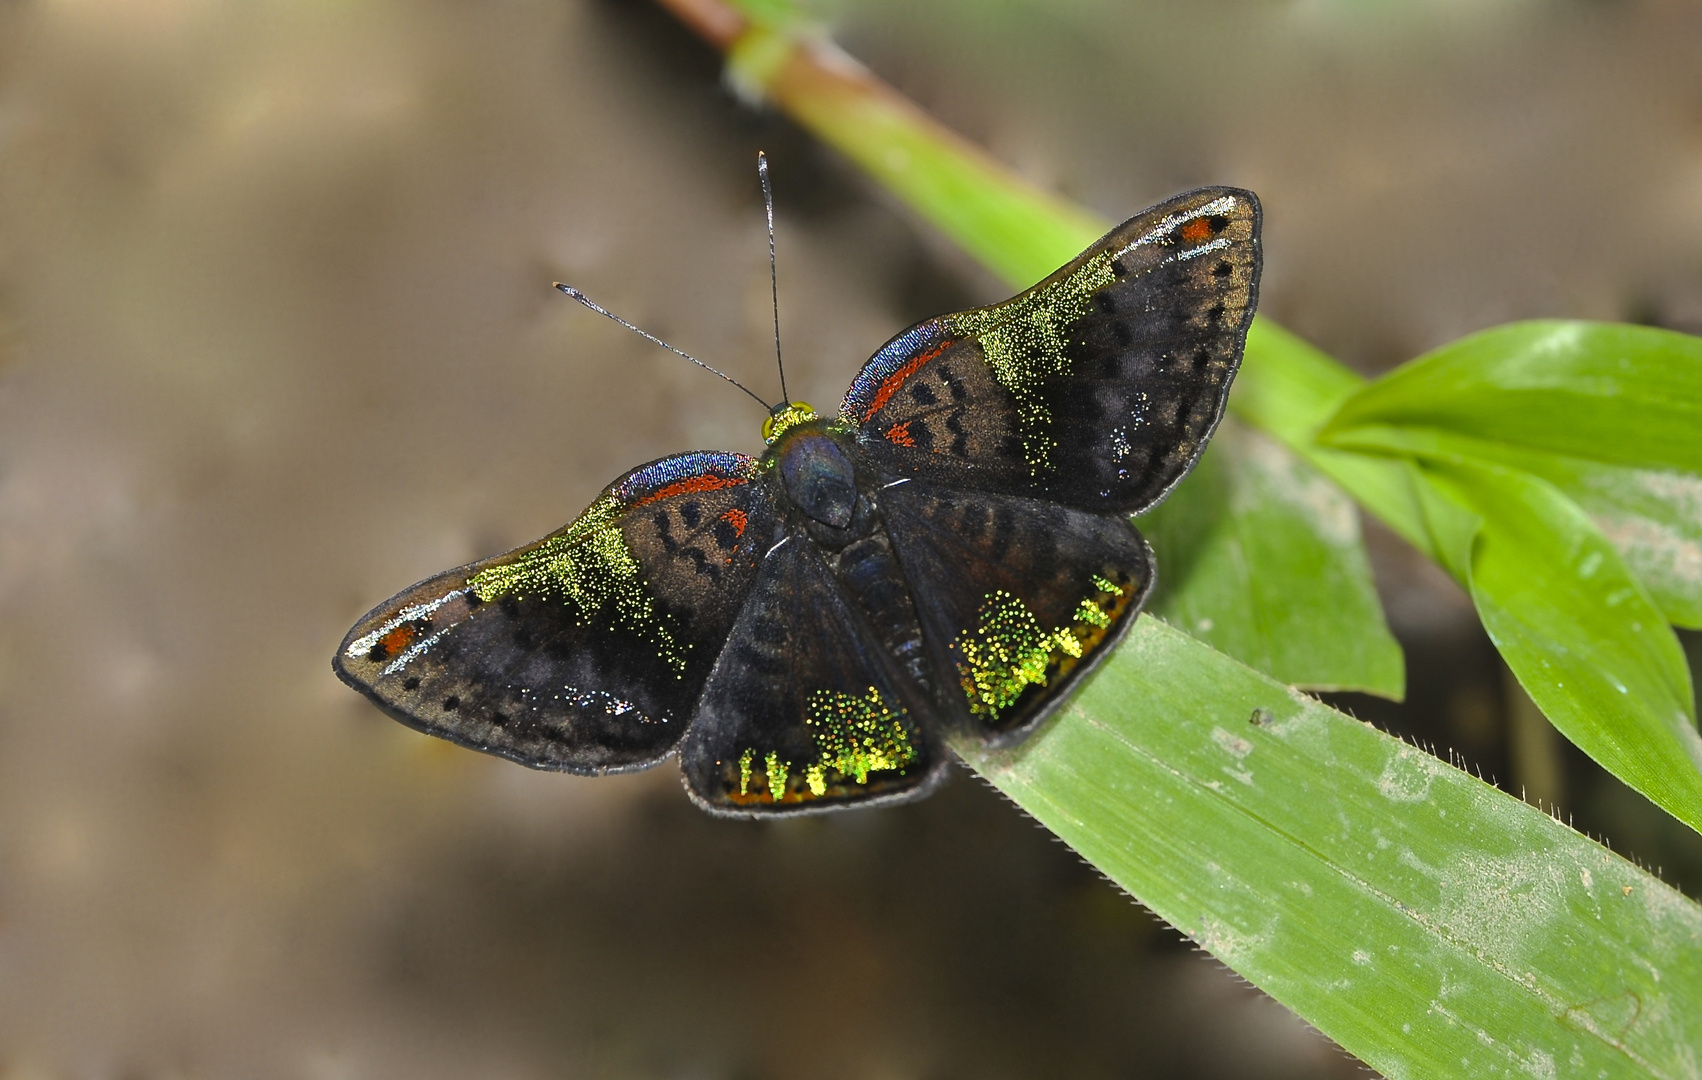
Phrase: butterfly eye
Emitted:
{"points": [[789, 416]]}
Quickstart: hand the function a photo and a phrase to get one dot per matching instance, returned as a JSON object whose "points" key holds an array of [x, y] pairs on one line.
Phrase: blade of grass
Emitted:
{"points": [[1575, 625], [1429, 923], [1534, 396], [1652, 516], [1627, 395]]}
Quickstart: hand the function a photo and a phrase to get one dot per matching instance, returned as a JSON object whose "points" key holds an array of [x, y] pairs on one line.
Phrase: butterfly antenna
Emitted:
{"points": [[607, 314], [773, 275]]}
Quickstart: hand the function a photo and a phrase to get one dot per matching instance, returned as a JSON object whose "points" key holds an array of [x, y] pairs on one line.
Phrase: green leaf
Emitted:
{"points": [[1430, 924], [1652, 516], [1575, 625], [1262, 557], [1580, 632], [1626, 395], [1016, 230], [1288, 387]]}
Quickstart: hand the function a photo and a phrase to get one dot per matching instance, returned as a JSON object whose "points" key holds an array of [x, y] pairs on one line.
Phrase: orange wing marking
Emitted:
{"points": [[738, 520], [398, 639], [899, 435], [692, 486], [890, 385]]}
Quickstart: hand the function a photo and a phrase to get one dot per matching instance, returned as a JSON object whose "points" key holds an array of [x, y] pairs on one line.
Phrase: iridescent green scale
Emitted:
{"points": [[944, 559]]}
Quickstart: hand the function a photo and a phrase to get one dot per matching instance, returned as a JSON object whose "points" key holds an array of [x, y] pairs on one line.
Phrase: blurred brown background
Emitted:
{"points": [[277, 339]]}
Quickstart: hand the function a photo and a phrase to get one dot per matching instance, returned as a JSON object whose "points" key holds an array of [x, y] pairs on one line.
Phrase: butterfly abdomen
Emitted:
{"points": [[872, 575]]}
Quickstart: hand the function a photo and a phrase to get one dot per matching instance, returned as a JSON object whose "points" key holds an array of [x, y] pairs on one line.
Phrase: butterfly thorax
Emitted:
{"points": [[818, 476]]}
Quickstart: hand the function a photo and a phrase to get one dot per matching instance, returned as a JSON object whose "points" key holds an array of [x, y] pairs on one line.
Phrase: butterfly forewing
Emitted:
{"points": [[1099, 386], [805, 710], [1018, 598], [587, 650]]}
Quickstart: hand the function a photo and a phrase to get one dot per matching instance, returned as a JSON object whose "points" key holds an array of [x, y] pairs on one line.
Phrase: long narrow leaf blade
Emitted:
{"points": [[1628, 395], [1652, 516], [1576, 626], [1580, 632], [1429, 923]]}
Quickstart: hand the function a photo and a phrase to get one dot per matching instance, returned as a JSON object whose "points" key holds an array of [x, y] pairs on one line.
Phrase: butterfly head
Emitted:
{"points": [[785, 417]]}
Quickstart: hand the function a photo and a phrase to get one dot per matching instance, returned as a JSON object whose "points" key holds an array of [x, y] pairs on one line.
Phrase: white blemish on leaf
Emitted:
{"points": [[1654, 549], [1227, 943], [1676, 920], [1407, 774], [1234, 744], [1502, 906], [1681, 490]]}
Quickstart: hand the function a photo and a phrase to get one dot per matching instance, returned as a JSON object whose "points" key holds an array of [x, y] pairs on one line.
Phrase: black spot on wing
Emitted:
{"points": [[921, 434]]}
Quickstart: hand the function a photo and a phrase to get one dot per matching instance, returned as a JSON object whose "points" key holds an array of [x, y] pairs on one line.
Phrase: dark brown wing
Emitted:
{"points": [[587, 650], [1098, 387], [1018, 598], [805, 711]]}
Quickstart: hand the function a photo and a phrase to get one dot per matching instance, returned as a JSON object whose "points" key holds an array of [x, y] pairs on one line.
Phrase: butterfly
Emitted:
{"points": [[945, 558]]}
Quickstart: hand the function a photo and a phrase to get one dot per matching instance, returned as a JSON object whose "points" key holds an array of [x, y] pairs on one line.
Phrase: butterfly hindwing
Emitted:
{"points": [[1018, 598], [1098, 387], [805, 711], [586, 651]]}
